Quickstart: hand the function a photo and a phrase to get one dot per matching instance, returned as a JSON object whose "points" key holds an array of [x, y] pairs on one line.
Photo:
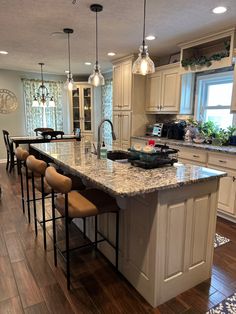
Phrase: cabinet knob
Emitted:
{"points": [[234, 178]]}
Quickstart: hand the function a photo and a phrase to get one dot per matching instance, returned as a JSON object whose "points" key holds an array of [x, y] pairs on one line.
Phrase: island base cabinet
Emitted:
{"points": [[166, 239]]}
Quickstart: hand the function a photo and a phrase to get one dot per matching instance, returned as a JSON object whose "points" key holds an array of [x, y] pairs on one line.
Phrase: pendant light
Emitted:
{"points": [[42, 95], [69, 82], [96, 78], [143, 65]]}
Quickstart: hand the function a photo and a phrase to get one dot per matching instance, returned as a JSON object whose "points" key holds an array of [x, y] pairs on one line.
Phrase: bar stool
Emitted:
{"points": [[21, 155], [38, 168], [73, 204]]}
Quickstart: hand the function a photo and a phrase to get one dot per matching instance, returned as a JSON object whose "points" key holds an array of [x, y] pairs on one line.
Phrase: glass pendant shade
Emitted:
{"points": [[96, 78], [51, 102], [35, 103], [69, 84], [143, 64]]}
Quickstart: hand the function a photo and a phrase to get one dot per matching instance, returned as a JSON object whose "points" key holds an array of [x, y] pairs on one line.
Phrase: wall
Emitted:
{"points": [[14, 122]]}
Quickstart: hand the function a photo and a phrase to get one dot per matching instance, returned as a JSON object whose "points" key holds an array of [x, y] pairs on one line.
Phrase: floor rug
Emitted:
{"points": [[220, 240], [228, 306]]}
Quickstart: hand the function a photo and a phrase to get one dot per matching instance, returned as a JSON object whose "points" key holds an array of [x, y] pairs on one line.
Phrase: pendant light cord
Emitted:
{"points": [[68, 39], [96, 38], [42, 73], [144, 23]]}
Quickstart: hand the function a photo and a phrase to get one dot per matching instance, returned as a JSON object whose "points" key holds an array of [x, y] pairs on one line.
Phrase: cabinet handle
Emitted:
{"points": [[196, 156], [223, 161], [234, 178]]}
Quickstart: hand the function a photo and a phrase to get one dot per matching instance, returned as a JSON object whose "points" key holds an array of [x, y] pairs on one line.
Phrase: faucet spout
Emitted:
{"points": [[99, 135]]}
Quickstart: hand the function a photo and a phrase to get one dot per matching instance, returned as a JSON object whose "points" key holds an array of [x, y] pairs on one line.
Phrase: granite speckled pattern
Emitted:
{"points": [[121, 179], [162, 140]]}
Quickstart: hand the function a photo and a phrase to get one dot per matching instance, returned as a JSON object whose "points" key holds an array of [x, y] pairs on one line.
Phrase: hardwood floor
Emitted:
{"points": [[29, 282]]}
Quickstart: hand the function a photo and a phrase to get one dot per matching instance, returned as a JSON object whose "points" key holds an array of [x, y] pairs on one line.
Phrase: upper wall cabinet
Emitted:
{"points": [[122, 80], [163, 90], [209, 52]]}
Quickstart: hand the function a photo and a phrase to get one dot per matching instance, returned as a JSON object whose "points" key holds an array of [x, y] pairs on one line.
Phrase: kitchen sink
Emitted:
{"points": [[117, 155]]}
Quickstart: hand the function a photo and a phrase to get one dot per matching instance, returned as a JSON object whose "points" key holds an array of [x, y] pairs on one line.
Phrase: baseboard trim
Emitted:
{"points": [[2, 161], [225, 216]]}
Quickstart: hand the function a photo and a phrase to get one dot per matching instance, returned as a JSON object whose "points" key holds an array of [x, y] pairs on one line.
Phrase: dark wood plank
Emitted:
{"points": [[55, 300], [14, 247], [37, 260], [11, 306], [28, 289], [8, 288], [40, 308], [3, 248]]}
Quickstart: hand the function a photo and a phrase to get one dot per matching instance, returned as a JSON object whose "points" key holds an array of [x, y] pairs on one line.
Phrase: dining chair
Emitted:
{"points": [[11, 161]]}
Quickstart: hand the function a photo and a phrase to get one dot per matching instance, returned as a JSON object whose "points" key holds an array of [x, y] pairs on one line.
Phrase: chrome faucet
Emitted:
{"points": [[99, 136]]}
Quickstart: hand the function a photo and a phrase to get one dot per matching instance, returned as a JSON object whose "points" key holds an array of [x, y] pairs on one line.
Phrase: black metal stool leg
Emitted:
{"points": [[27, 192], [96, 231], [54, 229], [67, 242], [84, 227], [34, 204], [22, 189], [117, 238], [43, 214]]}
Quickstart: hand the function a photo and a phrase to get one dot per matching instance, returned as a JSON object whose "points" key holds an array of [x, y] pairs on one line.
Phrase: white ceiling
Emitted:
{"points": [[26, 27]]}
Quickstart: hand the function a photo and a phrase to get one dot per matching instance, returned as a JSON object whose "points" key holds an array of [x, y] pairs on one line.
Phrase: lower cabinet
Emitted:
{"points": [[219, 161], [122, 128]]}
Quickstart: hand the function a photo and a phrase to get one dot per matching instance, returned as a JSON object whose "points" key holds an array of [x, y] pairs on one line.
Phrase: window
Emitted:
{"points": [[213, 99]]}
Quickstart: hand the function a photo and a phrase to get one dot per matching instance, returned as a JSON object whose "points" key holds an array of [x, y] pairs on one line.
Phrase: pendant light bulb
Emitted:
{"points": [[35, 103], [96, 78], [143, 64], [69, 82]]}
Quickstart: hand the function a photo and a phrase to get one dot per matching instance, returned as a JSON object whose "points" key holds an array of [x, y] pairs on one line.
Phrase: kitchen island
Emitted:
{"points": [[168, 218]]}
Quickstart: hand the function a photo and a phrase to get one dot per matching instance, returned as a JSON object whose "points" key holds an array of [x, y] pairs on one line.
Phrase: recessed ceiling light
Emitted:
{"points": [[4, 52], [66, 71], [87, 63], [111, 54], [219, 10], [150, 37]]}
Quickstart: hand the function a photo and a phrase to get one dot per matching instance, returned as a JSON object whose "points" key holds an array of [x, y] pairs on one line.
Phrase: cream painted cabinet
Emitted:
{"points": [[153, 92], [122, 85], [122, 126], [163, 90], [227, 193]]}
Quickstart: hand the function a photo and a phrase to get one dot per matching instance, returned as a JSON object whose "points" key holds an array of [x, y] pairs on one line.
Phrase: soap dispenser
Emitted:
{"points": [[103, 151]]}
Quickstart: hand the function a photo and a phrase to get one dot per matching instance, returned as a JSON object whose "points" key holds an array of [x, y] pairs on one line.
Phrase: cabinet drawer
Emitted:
{"points": [[222, 160], [194, 155]]}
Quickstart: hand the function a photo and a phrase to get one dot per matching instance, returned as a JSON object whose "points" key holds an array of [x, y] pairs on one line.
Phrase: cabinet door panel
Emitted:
{"points": [[116, 125], [153, 90], [117, 87], [227, 194], [126, 85], [170, 91], [125, 129]]}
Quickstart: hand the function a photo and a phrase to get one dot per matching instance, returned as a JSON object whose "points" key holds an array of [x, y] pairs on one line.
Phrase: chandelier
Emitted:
{"points": [[42, 96]]}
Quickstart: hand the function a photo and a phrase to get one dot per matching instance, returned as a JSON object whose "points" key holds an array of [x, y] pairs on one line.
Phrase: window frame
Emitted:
{"points": [[202, 84]]}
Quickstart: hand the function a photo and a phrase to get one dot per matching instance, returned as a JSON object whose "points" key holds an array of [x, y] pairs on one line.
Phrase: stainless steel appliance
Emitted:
{"points": [[154, 129]]}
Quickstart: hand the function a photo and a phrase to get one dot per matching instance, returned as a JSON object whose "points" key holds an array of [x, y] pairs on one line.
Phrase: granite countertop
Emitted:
{"points": [[121, 179], [219, 149]]}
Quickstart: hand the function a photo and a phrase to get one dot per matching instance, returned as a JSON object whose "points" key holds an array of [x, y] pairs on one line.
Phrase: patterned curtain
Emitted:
{"points": [[107, 110], [34, 116]]}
